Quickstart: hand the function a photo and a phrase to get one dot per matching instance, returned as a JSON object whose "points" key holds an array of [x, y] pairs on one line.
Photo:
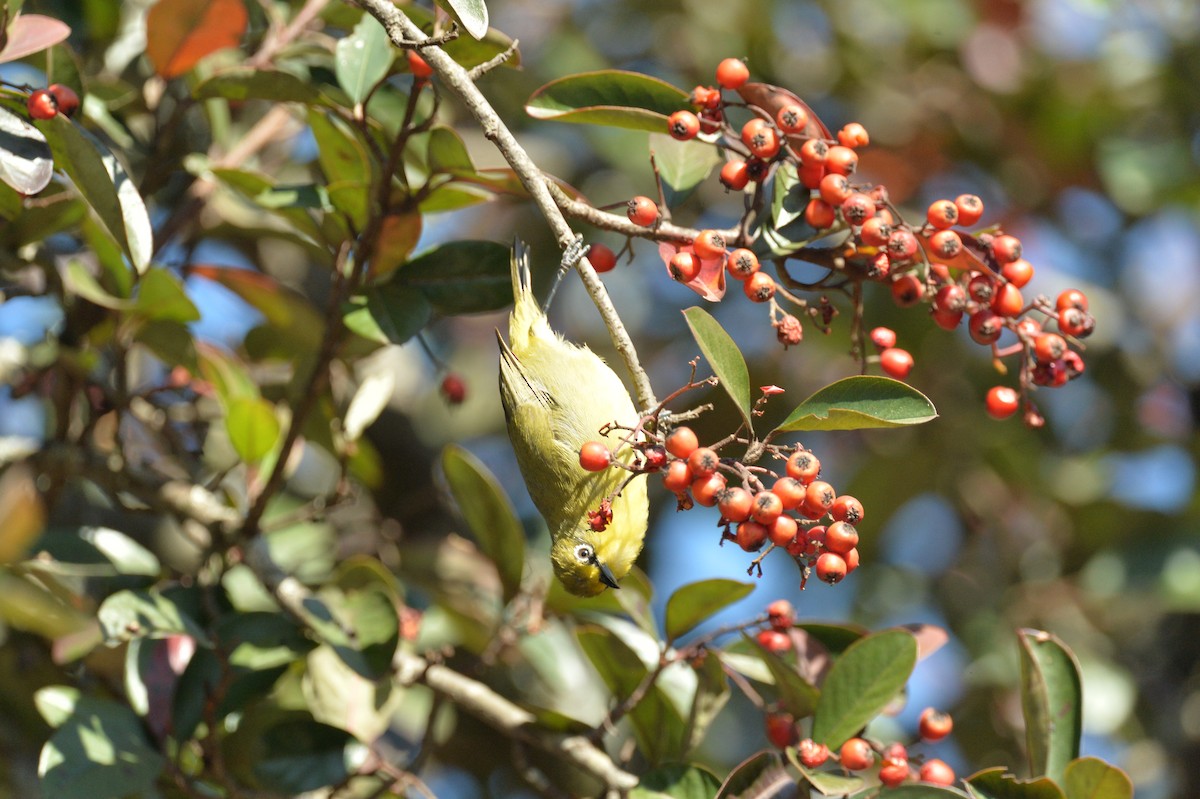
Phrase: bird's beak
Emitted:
{"points": [[606, 575]]}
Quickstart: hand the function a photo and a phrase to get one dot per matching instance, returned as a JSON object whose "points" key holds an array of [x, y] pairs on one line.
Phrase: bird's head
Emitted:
{"points": [[586, 562]]}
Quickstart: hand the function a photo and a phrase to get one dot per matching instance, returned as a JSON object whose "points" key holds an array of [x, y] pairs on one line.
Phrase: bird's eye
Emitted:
{"points": [[584, 554]]}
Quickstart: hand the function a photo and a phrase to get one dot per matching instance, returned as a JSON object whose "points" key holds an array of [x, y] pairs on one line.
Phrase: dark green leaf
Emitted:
{"points": [[692, 604], [488, 514], [683, 165], [467, 50], [287, 751], [391, 314], [362, 59], [861, 683], [911, 791], [712, 692], [758, 775], [81, 282], [26, 164], [126, 615], [161, 297], [61, 211], [473, 14], [724, 357], [447, 152], [345, 159], [1052, 700], [996, 783], [797, 695], [102, 181], [93, 552], [462, 277], [171, 342], [242, 84], [253, 427], [789, 239], [860, 402], [98, 752], [790, 196], [1092, 778], [608, 97], [676, 781], [827, 783]]}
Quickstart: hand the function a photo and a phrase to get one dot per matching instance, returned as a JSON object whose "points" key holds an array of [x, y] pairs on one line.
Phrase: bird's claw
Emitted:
{"points": [[574, 251]]}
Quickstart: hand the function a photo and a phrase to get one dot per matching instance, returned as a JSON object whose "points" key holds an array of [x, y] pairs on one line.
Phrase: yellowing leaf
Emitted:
{"points": [[21, 513], [181, 32]]}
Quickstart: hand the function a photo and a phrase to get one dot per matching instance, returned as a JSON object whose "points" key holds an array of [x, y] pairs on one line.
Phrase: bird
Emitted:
{"points": [[557, 396]]}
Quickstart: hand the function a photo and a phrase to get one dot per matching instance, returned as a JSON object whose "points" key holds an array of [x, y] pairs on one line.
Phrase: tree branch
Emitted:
{"points": [[403, 31]]}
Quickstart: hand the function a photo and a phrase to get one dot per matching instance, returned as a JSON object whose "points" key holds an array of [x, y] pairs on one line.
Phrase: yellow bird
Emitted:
{"points": [[556, 397]]}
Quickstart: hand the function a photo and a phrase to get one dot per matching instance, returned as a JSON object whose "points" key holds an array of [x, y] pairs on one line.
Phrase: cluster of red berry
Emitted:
{"points": [[51, 101], [798, 512], [959, 275]]}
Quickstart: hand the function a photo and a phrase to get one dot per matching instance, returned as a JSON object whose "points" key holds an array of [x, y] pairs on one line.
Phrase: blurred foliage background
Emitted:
{"points": [[1078, 123]]}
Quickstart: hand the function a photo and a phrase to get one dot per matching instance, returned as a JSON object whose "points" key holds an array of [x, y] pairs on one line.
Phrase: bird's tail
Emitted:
{"points": [[527, 317]]}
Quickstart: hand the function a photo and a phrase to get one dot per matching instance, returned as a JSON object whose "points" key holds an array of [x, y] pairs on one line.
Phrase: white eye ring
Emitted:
{"points": [[584, 554]]}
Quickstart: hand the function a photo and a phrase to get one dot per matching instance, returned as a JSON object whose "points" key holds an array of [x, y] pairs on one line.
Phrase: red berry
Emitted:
{"points": [[783, 530], [766, 508], [751, 535], [945, 244], [709, 245], [742, 263], [875, 231], [781, 614], [946, 320], [1072, 298], [907, 290], [811, 175], [684, 266], [841, 537], [803, 466], [896, 362], [950, 298], [41, 105], [791, 118], [856, 754], [819, 214], [1018, 272], [902, 245], [835, 188], [1008, 300], [454, 389], [831, 568], [970, 209], [841, 160], [853, 135], [819, 496], [732, 73], [707, 488], [683, 125], [775, 641], [765, 143], [893, 771], [759, 287], [642, 211], [934, 725], [595, 456], [814, 540], [1002, 402], [655, 457], [757, 169], [851, 558], [937, 772], [811, 753], [942, 214], [790, 491], [703, 461], [417, 65], [1074, 322], [981, 288], [678, 477], [681, 442], [1028, 328], [883, 337], [1006, 249], [735, 504], [847, 509], [735, 175], [814, 151], [1049, 347], [65, 96], [984, 326], [602, 258], [857, 209]]}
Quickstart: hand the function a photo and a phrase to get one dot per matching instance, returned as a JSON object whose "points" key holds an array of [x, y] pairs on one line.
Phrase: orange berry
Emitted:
{"points": [[594, 456], [681, 442], [732, 73]]}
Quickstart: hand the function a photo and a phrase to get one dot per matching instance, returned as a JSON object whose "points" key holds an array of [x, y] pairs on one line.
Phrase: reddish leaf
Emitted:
{"points": [[181, 32], [397, 236], [710, 283], [32, 33], [772, 98]]}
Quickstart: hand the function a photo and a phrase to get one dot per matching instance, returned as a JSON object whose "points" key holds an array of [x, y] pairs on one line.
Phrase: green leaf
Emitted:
{"points": [[996, 783], [391, 314], [81, 282], [724, 357], [488, 514], [161, 297], [760, 774], [346, 162], [473, 15], [171, 342], [858, 403], [241, 84], [104, 184], [253, 427], [790, 196], [676, 781], [608, 97], [861, 683], [289, 752], [93, 552], [911, 791], [57, 703], [683, 165], [127, 615], [827, 783], [99, 752], [362, 59], [1092, 778], [26, 164], [462, 277], [694, 603], [447, 152], [341, 697], [712, 692], [284, 308], [1052, 702], [468, 51], [797, 695]]}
